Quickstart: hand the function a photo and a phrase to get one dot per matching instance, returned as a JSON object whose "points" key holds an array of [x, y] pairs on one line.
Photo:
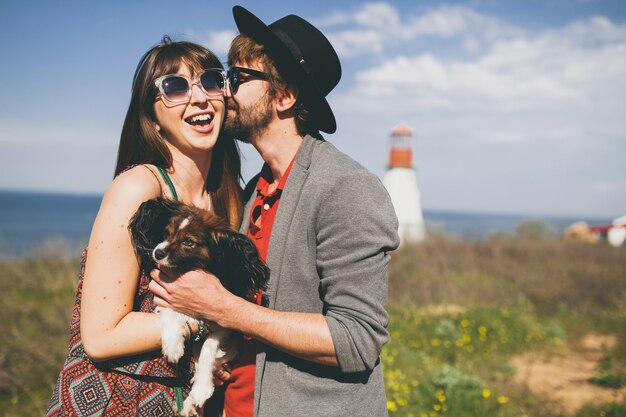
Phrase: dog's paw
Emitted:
{"points": [[200, 393], [173, 347], [189, 409]]}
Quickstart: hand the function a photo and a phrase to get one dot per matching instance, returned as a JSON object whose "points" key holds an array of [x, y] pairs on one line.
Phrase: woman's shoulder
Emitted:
{"points": [[136, 184]]}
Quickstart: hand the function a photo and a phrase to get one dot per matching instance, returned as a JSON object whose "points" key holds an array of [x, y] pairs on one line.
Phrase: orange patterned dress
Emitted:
{"points": [[140, 385]]}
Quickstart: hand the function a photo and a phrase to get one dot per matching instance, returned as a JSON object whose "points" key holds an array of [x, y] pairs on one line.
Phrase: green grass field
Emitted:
{"points": [[459, 312]]}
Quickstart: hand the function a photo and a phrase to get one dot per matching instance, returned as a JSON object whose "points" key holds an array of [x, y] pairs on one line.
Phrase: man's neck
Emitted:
{"points": [[277, 146]]}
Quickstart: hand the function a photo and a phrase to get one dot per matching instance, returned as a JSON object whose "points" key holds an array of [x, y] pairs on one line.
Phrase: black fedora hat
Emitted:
{"points": [[303, 57]]}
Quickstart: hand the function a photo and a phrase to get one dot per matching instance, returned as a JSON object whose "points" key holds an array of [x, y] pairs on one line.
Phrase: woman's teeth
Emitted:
{"points": [[200, 119]]}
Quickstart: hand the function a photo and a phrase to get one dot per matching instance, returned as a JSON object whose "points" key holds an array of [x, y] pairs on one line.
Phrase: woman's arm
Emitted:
{"points": [[108, 326]]}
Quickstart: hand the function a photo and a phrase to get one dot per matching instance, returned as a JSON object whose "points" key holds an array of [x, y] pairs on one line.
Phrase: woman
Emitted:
{"points": [[170, 146]]}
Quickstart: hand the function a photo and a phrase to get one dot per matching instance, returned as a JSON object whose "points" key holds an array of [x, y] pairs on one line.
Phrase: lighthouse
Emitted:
{"points": [[401, 183]]}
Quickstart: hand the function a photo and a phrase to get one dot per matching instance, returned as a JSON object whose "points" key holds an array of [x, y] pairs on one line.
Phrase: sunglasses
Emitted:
{"points": [[235, 78], [176, 88]]}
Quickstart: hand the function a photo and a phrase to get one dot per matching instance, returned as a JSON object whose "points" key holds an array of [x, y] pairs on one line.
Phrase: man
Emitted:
{"points": [[331, 223]]}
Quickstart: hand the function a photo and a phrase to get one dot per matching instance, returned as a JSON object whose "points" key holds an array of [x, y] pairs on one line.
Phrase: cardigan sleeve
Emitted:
{"points": [[356, 228]]}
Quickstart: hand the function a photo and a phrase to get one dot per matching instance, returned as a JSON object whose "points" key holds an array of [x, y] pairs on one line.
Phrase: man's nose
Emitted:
{"points": [[227, 90]]}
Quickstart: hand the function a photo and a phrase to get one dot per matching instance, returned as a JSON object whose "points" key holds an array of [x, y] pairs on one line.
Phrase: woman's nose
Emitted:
{"points": [[198, 95]]}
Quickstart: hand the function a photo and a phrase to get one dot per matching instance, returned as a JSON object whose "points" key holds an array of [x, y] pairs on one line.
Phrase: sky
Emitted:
{"points": [[516, 107]]}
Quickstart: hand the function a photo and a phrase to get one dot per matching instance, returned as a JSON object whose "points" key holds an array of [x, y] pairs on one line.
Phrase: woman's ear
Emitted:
{"points": [[287, 99]]}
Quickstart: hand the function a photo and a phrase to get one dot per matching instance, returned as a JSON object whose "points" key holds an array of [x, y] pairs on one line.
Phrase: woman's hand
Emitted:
{"points": [[221, 375]]}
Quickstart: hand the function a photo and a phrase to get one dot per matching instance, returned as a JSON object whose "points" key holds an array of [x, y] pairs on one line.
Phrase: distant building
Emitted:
{"points": [[614, 233], [401, 183]]}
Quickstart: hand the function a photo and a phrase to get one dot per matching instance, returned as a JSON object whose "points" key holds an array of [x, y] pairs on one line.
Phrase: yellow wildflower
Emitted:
{"points": [[486, 393], [441, 397]]}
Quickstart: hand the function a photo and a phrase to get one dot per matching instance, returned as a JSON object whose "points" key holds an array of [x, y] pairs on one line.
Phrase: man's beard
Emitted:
{"points": [[249, 121]]}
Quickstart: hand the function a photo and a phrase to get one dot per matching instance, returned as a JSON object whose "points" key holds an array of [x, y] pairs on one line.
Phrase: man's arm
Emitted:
{"points": [[200, 294], [355, 230]]}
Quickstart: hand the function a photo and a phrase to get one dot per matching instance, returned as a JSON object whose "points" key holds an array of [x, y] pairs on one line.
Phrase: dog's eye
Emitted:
{"points": [[188, 243]]}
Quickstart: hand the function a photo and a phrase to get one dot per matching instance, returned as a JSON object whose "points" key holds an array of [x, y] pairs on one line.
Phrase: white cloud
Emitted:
{"points": [[380, 16], [351, 43], [470, 84], [334, 19], [444, 22], [217, 41], [560, 69], [383, 25]]}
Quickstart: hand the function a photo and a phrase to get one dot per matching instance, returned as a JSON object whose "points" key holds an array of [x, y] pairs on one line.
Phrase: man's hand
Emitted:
{"points": [[195, 293]]}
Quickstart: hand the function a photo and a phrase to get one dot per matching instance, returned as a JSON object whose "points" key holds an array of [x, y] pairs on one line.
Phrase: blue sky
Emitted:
{"points": [[517, 106]]}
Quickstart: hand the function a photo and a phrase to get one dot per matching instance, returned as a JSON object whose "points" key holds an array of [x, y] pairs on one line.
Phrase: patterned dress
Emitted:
{"points": [[140, 385]]}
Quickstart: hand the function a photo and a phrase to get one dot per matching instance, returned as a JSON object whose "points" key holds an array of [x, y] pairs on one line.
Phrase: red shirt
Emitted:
{"points": [[239, 394]]}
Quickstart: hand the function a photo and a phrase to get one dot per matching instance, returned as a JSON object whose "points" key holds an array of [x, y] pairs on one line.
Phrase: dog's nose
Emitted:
{"points": [[159, 254]]}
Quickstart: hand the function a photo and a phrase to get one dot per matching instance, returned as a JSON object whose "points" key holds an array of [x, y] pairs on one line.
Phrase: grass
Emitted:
{"points": [[610, 380], [459, 311], [454, 364], [36, 296], [606, 410]]}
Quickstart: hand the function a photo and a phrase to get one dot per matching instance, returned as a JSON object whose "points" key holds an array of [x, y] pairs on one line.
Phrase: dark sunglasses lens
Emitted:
{"points": [[233, 78], [212, 82], [175, 88]]}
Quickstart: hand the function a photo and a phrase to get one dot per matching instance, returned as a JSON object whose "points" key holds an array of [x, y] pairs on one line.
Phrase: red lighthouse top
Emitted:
{"points": [[401, 155]]}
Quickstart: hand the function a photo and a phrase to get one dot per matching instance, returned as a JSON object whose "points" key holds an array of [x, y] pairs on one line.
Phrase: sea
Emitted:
{"points": [[35, 223]]}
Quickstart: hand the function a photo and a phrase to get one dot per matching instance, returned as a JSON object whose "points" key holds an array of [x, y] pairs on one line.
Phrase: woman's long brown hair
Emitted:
{"points": [[141, 143]]}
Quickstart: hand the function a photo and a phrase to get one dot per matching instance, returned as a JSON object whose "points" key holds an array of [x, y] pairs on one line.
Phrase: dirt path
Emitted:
{"points": [[563, 377]]}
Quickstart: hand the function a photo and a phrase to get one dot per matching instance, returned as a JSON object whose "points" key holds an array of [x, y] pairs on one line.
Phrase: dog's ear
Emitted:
{"points": [[242, 271], [147, 227]]}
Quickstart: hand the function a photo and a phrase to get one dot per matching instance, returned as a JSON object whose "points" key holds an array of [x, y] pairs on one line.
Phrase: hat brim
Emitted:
{"points": [[250, 25]]}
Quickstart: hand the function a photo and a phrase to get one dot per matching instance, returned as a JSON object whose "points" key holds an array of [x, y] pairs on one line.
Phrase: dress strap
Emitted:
{"points": [[168, 181]]}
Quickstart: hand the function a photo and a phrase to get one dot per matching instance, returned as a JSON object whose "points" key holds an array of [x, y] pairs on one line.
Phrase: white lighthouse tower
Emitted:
{"points": [[401, 183]]}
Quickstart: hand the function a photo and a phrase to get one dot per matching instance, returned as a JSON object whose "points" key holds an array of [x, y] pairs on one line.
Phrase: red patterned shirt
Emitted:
{"points": [[239, 395]]}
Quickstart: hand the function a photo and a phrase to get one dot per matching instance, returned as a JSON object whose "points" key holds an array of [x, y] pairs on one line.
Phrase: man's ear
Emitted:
{"points": [[287, 99]]}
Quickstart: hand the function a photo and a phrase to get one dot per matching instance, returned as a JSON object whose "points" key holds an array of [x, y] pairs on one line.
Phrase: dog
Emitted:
{"points": [[179, 237]]}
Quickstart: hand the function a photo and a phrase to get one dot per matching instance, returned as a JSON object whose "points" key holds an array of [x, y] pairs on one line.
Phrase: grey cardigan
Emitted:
{"points": [[328, 254]]}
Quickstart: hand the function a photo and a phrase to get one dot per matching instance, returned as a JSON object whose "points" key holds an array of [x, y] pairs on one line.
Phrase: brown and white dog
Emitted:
{"points": [[182, 238]]}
